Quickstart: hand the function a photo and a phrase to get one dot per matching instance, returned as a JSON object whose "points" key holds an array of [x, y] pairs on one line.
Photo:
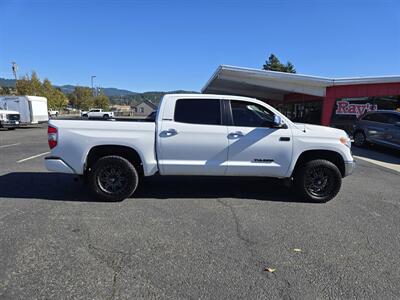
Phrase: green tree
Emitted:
{"points": [[29, 85], [273, 64], [24, 86], [36, 85], [101, 101], [33, 86], [81, 98], [59, 100], [290, 68], [47, 87], [7, 90], [55, 98]]}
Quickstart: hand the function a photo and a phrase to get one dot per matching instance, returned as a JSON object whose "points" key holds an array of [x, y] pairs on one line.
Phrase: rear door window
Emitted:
{"points": [[198, 111]]}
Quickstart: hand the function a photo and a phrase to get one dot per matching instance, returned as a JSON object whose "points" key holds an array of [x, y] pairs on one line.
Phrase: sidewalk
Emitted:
{"points": [[387, 158]]}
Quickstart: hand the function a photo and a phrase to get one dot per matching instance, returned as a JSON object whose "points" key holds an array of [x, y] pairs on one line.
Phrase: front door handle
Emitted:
{"points": [[169, 132], [235, 135]]}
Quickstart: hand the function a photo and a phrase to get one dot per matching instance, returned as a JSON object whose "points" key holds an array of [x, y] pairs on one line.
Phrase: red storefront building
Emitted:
{"points": [[336, 102]]}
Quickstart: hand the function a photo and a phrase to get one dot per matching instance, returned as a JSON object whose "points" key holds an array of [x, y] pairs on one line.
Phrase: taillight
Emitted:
{"points": [[52, 136]]}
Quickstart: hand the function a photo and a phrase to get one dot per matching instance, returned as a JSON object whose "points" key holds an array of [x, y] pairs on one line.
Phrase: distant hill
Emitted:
{"points": [[67, 89], [117, 96], [154, 97], [7, 82]]}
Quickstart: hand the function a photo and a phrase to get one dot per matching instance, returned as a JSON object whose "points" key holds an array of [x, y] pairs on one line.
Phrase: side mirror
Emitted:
{"points": [[278, 122]]}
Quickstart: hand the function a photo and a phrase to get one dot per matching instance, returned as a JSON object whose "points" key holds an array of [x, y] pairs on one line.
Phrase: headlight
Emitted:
{"points": [[345, 140]]}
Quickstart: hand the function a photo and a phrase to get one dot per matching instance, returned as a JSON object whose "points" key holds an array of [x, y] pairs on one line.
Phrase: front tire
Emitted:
{"points": [[113, 178], [318, 180]]}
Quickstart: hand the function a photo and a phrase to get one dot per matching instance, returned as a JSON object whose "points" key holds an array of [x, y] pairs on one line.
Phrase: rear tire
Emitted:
{"points": [[359, 139], [318, 180], [113, 178]]}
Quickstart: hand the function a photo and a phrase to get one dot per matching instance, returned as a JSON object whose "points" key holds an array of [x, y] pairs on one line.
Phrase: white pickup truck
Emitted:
{"points": [[9, 119], [97, 113], [201, 134]]}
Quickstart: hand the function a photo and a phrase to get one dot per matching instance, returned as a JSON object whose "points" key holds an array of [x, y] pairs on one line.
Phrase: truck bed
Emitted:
{"points": [[87, 134]]}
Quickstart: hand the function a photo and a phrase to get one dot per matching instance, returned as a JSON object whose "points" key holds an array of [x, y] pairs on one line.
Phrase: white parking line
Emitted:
{"points": [[32, 157], [10, 145]]}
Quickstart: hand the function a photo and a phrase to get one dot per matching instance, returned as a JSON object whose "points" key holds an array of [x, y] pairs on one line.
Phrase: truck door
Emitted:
{"points": [[255, 148], [193, 141]]}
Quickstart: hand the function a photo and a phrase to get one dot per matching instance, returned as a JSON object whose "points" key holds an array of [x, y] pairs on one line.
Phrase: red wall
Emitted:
{"points": [[355, 91]]}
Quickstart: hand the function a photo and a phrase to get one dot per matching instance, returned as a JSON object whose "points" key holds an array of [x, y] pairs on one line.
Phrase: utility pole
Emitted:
{"points": [[93, 77], [14, 69]]}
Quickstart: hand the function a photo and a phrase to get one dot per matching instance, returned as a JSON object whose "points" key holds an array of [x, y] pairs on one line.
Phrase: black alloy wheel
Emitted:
{"points": [[113, 178], [319, 180]]}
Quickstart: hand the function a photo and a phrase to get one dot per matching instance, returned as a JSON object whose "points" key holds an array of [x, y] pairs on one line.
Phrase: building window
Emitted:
{"points": [[141, 109], [303, 112]]}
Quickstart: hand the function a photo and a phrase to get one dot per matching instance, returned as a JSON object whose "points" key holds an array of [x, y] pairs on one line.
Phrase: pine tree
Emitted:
{"points": [[289, 68], [273, 64]]}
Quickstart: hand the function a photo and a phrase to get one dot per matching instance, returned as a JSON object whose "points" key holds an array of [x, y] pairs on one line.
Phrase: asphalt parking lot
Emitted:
{"points": [[193, 237]]}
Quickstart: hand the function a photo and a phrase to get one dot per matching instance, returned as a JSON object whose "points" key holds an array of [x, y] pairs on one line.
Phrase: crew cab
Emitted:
{"points": [[201, 134], [98, 113], [9, 119]]}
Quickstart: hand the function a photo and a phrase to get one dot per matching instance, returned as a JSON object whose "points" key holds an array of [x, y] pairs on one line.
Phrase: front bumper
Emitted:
{"points": [[56, 164], [349, 167], [9, 124]]}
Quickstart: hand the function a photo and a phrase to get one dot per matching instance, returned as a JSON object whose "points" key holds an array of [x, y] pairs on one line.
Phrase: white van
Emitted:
{"points": [[32, 109]]}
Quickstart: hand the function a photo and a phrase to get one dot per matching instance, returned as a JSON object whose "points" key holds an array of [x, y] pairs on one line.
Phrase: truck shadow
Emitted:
{"points": [[63, 187]]}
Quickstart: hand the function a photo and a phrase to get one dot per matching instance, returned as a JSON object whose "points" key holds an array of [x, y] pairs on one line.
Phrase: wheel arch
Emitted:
{"points": [[129, 153], [329, 155]]}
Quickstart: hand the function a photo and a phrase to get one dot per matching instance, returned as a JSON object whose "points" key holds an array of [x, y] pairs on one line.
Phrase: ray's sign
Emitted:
{"points": [[348, 108]]}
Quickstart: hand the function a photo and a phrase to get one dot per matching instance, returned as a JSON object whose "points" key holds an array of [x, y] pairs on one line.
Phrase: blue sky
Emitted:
{"points": [[167, 45]]}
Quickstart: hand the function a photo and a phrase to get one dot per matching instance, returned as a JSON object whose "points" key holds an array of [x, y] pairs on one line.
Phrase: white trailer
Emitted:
{"points": [[32, 109]]}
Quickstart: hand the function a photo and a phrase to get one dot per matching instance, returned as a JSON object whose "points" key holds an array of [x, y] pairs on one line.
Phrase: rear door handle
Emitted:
{"points": [[235, 135]]}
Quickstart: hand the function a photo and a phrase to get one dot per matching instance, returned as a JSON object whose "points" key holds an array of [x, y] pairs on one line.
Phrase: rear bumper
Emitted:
{"points": [[349, 167], [56, 164]]}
